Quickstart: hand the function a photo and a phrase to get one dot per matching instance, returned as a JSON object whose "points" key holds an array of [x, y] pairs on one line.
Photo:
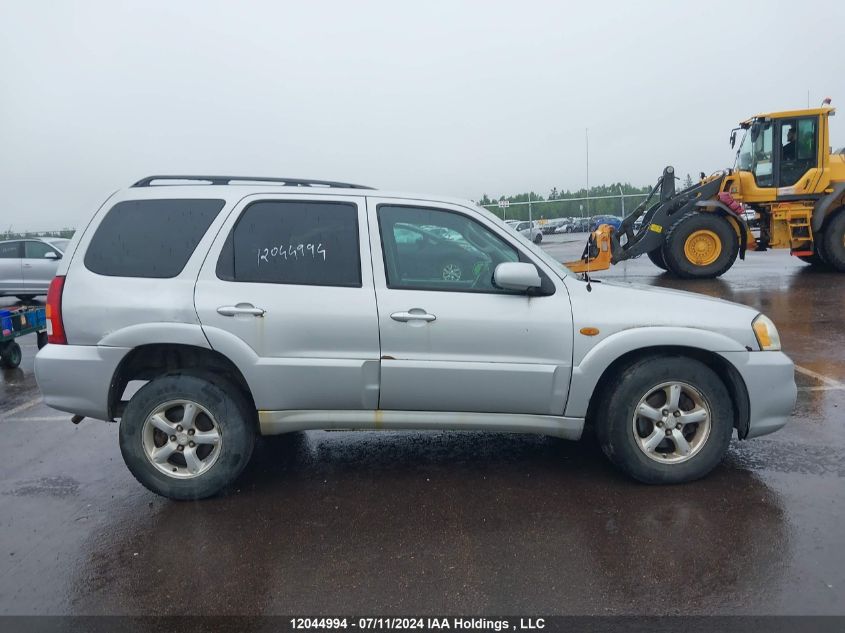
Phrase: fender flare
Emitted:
{"points": [[826, 205], [589, 371], [716, 206], [140, 334]]}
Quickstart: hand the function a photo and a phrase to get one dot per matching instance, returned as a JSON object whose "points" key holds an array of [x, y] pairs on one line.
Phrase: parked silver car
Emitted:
{"points": [[528, 229], [27, 266], [261, 308]]}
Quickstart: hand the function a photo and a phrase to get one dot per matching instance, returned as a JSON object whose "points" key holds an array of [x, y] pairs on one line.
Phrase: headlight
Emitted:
{"points": [[766, 333]]}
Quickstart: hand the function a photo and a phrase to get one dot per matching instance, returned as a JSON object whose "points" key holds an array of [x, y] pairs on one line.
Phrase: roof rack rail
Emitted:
{"points": [[225, 180]]}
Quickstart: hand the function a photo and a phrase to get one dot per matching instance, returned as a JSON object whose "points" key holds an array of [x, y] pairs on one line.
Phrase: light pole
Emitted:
{"points": [[530, 223], [587, 139], [622, 199]]}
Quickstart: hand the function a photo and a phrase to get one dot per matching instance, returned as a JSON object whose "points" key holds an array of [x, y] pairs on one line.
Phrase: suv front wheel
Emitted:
{"points": [[185, 437], [665, 420]]}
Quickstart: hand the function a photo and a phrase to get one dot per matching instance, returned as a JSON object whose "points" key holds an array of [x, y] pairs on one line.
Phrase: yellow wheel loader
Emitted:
{"points": [[785, 173]]}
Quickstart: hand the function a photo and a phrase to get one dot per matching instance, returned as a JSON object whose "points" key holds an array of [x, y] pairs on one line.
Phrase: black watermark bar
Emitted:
{"points": [[463, 624]]}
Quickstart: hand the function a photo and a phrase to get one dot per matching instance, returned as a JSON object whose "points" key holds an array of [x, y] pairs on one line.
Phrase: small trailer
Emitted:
{"points": [[15, 322]]}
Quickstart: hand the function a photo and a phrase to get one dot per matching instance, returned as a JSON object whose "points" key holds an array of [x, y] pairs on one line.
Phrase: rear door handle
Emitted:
{"points": [[413, 315], [241, 308]]}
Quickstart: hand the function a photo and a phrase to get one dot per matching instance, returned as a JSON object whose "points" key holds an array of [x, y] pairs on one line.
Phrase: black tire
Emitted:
{"points": [[656, 257], [538, 238], [677, 235], [10, 356], [232, 414], [833, 241], [41, 339], [814, 260], [614, 422], [25, 298]]}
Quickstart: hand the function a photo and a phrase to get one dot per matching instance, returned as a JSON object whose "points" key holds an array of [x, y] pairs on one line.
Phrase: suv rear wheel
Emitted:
{"points": [[665, 420], [185, 437]]}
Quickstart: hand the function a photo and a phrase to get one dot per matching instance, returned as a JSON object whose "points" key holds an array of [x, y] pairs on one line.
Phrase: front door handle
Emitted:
{"points": [[413, 315], [241, 308]]}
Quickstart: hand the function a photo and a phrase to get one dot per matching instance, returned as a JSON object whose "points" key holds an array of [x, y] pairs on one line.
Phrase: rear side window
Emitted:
{"points": [[10, 250], [149, 238], [311, 243]]}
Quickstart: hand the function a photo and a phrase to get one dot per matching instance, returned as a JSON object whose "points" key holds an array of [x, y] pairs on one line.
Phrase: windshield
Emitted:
{"points": [[755, 153]]}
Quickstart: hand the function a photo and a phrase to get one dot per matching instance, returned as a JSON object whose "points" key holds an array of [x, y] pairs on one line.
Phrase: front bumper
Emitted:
{"points": [[77, 378], [770, 381]]}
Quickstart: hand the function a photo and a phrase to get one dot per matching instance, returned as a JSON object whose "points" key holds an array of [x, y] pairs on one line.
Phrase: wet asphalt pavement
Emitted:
{"points": [[380, 523]]}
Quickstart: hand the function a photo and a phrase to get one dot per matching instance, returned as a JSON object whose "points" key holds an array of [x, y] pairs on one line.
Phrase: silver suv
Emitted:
{"points": [[253, 306]]}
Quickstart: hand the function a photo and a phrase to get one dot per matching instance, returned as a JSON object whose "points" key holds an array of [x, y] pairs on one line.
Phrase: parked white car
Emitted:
{"points": [[260, 308], [27, 266]]}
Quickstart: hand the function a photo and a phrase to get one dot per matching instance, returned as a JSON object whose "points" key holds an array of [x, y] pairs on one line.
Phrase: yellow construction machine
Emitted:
{"points": [[786, 177]]}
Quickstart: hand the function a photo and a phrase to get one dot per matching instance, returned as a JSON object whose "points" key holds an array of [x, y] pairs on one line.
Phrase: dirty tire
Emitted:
{"points": [[233, 415], [833, 241], [538, 238], [656, 257], [692, 222], [615, 414], [10, 357]]}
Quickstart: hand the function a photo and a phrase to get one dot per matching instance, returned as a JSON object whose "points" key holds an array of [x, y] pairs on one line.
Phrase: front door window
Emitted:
{"points": [[430, 249], [797, 149]]}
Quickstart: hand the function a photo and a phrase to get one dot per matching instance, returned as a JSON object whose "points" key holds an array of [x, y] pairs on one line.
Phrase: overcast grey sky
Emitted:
{"points": [[458, 98]]}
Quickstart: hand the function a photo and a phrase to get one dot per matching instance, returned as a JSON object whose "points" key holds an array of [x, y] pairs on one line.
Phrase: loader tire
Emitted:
{"points": [[700, 246], [656, 257], [833, 241], [814, 260]]}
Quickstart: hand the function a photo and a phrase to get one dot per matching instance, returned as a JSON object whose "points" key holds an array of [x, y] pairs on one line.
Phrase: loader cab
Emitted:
{"points": [[784, 155]]}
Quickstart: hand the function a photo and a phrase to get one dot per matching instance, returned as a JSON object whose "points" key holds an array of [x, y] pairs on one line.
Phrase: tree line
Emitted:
{"points": [[11, 235]]}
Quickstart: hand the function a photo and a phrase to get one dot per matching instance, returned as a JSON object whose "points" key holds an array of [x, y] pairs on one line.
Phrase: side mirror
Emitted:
{"points": [[733, 138], [516, 276], [51, 255]]}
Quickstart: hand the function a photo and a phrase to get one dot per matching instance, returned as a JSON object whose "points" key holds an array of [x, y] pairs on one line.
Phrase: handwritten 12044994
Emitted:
{"points": [[294, 252]]}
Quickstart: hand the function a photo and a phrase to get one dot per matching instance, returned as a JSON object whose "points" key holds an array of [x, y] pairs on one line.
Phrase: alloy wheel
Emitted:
{"points": [[181, 439], [672, 422]]}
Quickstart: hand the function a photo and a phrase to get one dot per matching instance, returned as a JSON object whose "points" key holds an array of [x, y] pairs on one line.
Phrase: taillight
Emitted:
{"points": [[55, 327]]}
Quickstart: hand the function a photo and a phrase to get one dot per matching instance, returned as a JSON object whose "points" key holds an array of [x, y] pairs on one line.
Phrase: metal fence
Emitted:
{"points": [[587, 206]]}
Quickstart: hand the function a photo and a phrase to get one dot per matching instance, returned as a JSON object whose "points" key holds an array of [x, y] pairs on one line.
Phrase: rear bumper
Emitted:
{"points": [[770, 380], [77, 378]]}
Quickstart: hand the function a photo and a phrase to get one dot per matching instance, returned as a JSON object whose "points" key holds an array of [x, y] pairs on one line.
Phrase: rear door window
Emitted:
{"points": [[149, 238], [303, 242], [10, 250]]}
